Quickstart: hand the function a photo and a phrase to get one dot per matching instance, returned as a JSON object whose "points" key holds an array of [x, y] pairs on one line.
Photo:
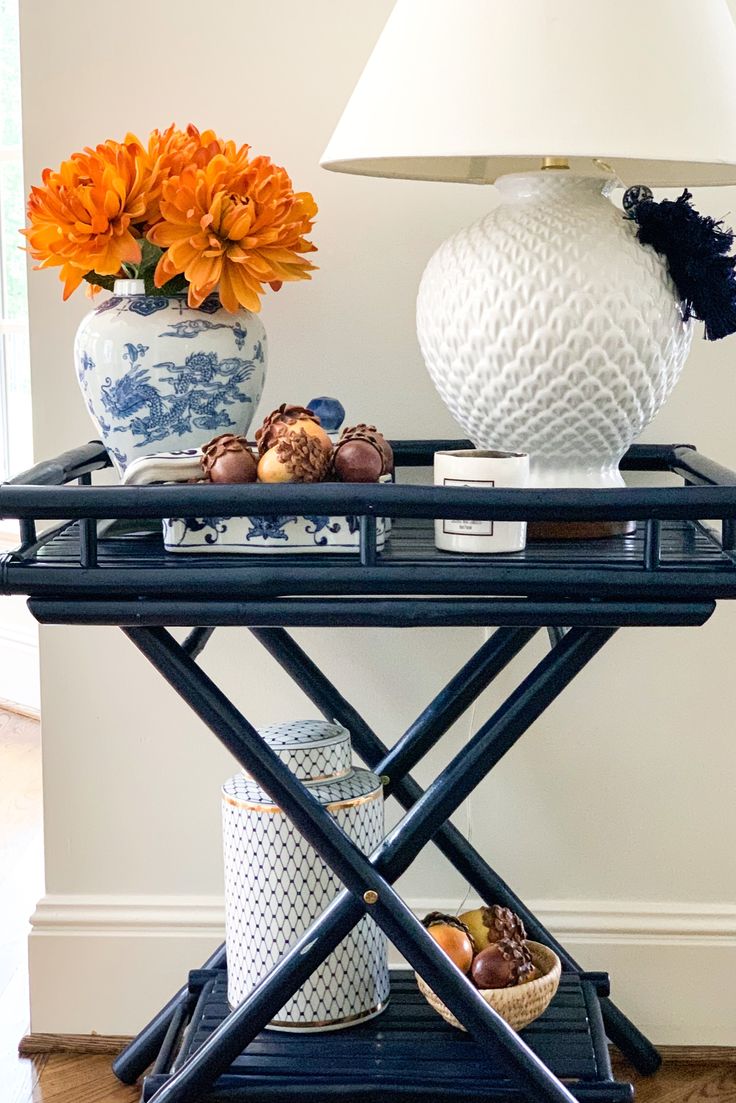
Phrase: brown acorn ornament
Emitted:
{"points": [[379, 439], [502, 965], [453, 937], [362, 455], [228, 459], [491, 924], [296, 457], [285, 420]]}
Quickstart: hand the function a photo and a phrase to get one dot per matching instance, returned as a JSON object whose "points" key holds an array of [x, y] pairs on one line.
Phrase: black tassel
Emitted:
{"points": [[697, 250]]}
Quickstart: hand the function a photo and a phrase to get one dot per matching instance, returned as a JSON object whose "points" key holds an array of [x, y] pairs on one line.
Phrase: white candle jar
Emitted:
{"points": [[276, 884], [480, 470]]}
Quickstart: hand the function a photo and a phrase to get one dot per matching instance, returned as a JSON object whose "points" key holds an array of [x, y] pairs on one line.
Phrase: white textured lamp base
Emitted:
{"points": [[547, 328]]}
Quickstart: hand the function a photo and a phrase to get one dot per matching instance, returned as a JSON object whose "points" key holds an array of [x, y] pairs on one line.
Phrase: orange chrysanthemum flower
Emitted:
{"points": [[172, 150], [219, 220], [89, 215], [233, 228]]}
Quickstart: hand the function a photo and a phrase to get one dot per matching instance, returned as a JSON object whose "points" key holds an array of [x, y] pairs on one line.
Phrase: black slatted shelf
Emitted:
{"points": [[683, 543], [107, 554], [408, 1052], [134, 565]]}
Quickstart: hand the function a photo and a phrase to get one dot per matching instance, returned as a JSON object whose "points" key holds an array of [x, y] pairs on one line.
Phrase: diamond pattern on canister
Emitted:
{"points": [[276, 885]]}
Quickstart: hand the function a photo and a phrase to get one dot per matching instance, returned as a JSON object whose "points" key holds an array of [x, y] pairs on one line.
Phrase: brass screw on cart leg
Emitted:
{"points": [[371, 896]]}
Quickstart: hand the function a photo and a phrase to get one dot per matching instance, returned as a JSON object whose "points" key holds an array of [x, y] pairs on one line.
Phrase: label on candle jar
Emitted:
{"points": [[468, 528]]}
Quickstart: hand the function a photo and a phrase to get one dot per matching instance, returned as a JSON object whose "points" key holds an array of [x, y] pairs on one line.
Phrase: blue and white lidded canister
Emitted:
{"points": [[276, 884]]}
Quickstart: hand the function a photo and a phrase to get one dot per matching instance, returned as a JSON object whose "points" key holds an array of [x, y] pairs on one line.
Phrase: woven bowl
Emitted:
{"points": [[519, 1005]]}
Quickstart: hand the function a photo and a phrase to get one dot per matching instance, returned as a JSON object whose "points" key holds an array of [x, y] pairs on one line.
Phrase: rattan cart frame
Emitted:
{"points": [[671, 572]]}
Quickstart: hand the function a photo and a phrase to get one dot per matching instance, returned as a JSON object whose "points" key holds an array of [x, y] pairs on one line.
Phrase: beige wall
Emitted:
{"points": [[616, 813]]}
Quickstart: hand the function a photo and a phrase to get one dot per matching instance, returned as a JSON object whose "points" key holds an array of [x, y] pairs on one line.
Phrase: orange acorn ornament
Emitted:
{"points": [[296, 457], [451, 936]]}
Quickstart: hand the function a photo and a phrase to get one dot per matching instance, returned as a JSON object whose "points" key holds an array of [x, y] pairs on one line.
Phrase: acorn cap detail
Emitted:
{"points": [[280, 421], [432, 918], [303, 456], [518, 954], [503, 923], [371, 435]]}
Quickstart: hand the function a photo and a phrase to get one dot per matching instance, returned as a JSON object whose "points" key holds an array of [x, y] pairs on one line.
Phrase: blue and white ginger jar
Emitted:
{"points": [[158, 375], [276, 884]]}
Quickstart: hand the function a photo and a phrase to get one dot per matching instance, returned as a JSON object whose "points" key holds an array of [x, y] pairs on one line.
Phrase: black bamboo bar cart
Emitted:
{"points": [[671, 571]]}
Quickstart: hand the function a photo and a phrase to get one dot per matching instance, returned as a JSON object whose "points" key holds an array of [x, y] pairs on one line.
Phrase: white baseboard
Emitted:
{"points": [[105, 964], [627, 920], [19, 666]]}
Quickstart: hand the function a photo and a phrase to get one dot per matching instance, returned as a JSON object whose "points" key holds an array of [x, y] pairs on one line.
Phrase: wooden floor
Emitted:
{"points": [[64, 1078], [68, 1078], [684, 1084]]}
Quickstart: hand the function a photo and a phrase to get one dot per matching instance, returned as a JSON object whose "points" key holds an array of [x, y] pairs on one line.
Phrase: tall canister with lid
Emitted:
{"points": [[276, 884]]}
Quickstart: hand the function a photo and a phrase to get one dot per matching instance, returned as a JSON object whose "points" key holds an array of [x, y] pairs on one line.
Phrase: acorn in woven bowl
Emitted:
{"points": [[518, 978], [520, 1004]]}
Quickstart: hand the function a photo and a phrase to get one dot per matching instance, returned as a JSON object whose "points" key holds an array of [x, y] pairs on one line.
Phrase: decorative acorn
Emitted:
{"points": [[362, 455], [432, 918], [492, 924], [297, 457], [502, 965], [228, 459], [284, 420], [453, 937]]}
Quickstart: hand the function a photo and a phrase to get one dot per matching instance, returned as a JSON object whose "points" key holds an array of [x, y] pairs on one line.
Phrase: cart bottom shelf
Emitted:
{"points": [[406, 1054]]}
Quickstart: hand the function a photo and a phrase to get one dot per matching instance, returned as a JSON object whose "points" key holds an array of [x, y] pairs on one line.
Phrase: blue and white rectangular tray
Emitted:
{"points": [[243, 535], [267, 534]]}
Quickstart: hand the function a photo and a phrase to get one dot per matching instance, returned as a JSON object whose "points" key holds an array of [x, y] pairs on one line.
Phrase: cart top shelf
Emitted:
{"points": [[671, 571]]}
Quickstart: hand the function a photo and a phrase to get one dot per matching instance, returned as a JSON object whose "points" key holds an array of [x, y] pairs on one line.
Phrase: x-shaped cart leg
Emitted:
{"points": [[395, 764], [367, 881], [475, 676], [433, 722]]}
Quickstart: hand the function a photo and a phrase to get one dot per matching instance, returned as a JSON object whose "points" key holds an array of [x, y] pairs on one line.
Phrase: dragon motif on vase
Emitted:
{"points": [[201, 390]]}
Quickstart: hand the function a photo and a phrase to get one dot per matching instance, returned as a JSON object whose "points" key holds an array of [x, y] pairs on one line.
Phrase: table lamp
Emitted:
{"points": [[547, 326]]}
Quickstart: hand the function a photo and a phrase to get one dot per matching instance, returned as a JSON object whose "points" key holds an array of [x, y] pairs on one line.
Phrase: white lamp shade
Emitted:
{"points": [[469, 90]]}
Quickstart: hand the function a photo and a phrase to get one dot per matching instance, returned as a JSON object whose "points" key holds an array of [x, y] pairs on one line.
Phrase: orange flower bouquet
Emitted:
{"points": [[187, 212], [187, 231]]}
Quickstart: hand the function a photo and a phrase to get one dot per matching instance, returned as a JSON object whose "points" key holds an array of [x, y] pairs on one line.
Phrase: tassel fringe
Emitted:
{"points": [[697, 249]]}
